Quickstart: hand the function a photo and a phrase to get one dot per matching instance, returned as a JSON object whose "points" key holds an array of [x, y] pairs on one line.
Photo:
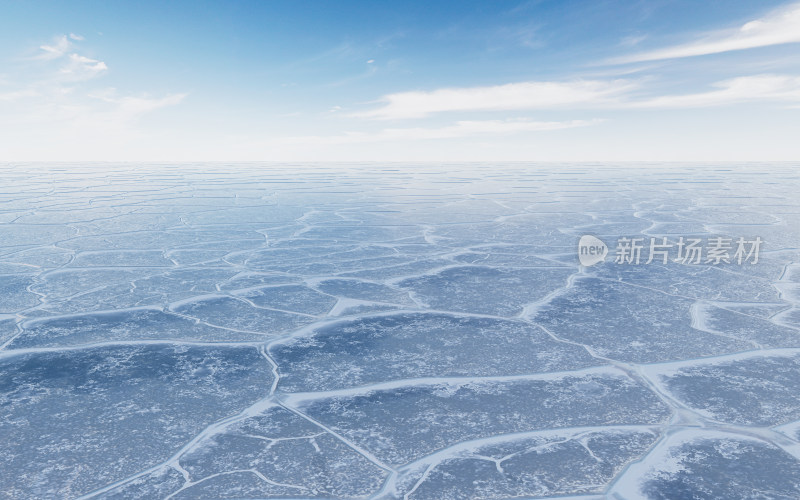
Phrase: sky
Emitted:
{"points": [[536, 80]]}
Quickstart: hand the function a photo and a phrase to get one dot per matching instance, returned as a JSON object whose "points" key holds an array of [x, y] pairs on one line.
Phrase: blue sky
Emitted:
{"points": [[406, 81]]}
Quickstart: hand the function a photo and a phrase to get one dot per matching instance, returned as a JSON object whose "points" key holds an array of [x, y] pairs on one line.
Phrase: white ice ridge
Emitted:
{"points": [[300, 398]]}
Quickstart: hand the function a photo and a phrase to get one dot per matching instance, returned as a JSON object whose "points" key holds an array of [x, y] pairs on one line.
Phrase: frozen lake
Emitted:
{"points": [[389, 331]]}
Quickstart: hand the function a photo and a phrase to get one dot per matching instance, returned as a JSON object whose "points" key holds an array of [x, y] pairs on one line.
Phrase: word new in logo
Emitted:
{"points": [[591, 250]]}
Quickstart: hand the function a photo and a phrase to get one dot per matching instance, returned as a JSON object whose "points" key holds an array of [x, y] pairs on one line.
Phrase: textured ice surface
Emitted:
{"points": [[75, 420], [401, 422], [713, 464], [284, 449], [752, 389], [630, 323], [394, 331], [528, 464], [290, 298], [120, 326], [239, 315], [408, 345], [486, 290]]}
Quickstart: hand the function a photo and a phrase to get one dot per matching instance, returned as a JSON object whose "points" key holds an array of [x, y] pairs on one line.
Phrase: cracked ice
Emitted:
{"points": [[426, 331]]}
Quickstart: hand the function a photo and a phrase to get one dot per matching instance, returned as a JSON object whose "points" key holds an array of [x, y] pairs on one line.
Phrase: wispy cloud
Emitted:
{"points": [[583, 95], [512, 96], [129, 107], [632, 40], [742, 89], [467, 128], [60, 46], [80, 67], [62, 90], [778, 27], [472, 128], [77, 67], [18, 94]]}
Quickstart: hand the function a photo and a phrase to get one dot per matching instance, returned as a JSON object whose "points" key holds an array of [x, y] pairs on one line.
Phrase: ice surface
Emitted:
{"points": [[287, 451], [15, 295], [8, 329], [713, 464], [408, 345], [403, 421], [75, 420], [157, 484], [290, 298], [239, 315], [541, 463], [631, 323], [120, 326], [395, 331], [746, 324], [757, 389], [486, 290], [364, 290]]}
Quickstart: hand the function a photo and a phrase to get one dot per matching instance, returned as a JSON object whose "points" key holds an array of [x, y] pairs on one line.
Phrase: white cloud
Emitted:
{"points": [[471, 128], [512, 96], [632, 40], [778, 27], [54, 107], [129, 107], [467, 128], [585, 94], [60, 46], [77, 67], [80, 67], [736, 90], [18, 94]]}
